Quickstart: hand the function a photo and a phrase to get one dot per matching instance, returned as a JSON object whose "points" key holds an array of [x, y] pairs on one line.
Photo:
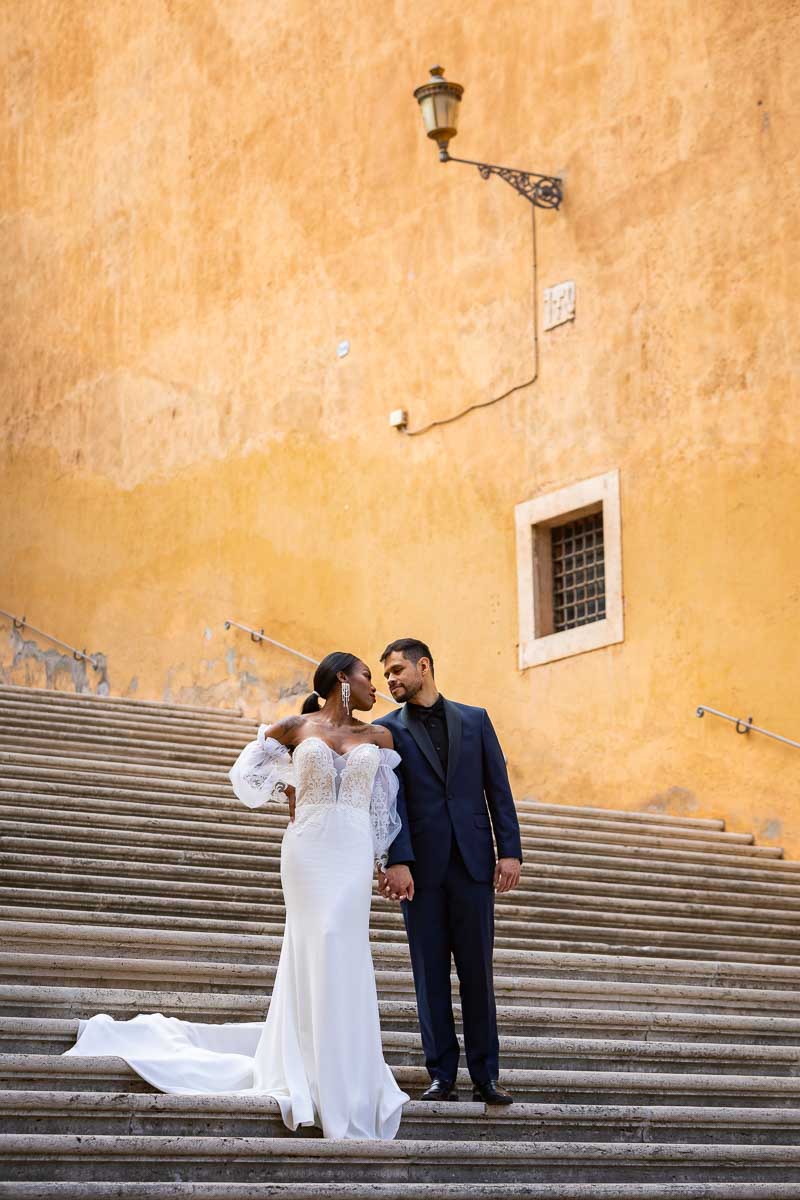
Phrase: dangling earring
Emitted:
{"points": [[346, 696]]}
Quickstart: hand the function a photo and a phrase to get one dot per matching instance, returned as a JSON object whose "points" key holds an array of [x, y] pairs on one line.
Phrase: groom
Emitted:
{"points": [[442, 865]]}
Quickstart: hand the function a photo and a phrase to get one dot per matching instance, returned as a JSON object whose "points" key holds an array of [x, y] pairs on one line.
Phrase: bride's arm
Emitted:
{"points": [[263, 771]]}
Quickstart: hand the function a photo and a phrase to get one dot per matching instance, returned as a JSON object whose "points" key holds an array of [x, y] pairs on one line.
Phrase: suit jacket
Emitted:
{"points": [[471, 802]]}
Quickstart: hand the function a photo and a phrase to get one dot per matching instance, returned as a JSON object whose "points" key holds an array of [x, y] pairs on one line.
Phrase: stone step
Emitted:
{"points": [[148, 750], [543, 932], [226, 818], [119, 754], [118, 751], [658, 907], [164, 723], [38, 797], [38, 721], [47, 1072], [519, 1053], [87, 876], [28, 701], [582, 816], [157, 776], [193, 788], [88, 941], [56, 840], [112, 815], [511, 917], [586, 981], [38, 1034], [198, 994], [564, 817], [71, 1157], [49, 698], [155, 828], [560, 940], [218, 877], [383, 925], [172, 734], [86, 1190], [33, 773], [148, 1114], [236, 873], [621, 814], [562, 1053], [715, 870], [167, 950]]}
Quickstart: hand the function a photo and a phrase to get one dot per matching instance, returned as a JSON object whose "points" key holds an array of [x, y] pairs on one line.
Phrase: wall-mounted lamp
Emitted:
{"points": [[439, 101]]}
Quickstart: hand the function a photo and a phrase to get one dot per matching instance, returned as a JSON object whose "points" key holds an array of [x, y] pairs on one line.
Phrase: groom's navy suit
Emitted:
{"points": [[446, 839]]}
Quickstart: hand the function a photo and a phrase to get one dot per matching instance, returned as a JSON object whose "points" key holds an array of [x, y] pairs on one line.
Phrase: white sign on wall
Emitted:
{"points": [[559, 304]]}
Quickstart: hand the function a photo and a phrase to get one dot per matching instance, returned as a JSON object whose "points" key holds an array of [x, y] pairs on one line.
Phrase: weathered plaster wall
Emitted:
{"points": [[200, 201]]}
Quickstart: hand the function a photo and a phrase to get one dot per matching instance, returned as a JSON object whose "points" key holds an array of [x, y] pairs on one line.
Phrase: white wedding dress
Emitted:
{"points": [[319, 1051]]}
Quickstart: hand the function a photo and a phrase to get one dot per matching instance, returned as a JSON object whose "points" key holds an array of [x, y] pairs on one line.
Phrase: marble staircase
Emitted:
{"points": [[647, 974]]}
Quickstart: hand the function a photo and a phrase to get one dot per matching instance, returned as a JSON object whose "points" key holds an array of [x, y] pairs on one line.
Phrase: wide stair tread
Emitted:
{"points": [[408, 1191], [250, 1159]]}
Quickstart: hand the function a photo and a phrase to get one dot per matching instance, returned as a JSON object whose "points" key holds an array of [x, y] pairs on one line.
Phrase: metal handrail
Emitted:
{"points": [[746, 726], [21, 623], [258, 635]]}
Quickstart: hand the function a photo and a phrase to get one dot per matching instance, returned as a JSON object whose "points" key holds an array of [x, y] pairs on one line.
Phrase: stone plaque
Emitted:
{"points": [[559, 304]]}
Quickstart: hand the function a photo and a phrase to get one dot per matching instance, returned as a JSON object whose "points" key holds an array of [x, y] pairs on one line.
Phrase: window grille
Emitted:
{"points": [[579, 580]]}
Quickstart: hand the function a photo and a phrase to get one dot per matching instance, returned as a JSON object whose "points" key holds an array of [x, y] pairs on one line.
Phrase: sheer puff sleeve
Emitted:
{"points": [[386, 823], [262, 772]]}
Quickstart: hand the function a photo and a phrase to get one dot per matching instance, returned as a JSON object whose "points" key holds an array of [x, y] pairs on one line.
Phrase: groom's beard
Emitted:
{"points": [[405, 692]]}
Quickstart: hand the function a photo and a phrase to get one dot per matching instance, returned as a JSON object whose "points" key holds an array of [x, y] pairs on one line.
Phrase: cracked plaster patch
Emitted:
{"points": [[30, 665]]}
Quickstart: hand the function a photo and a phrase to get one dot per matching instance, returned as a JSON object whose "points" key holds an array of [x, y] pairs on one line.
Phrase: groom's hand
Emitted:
{"points": [[396, 883], [506, 875]]}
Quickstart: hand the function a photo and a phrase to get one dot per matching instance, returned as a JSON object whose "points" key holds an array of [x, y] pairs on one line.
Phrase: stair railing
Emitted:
{"points": [[746, 726], [79, 655], [258, 635]]}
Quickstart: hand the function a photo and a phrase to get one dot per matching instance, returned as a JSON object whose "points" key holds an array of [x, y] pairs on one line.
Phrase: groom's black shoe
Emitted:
{"points": [[440, 1089], [491, 1093]]}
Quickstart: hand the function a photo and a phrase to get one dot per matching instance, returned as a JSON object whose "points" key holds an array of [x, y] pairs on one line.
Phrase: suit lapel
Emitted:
{"points": [[453, 737], [420, 735]]}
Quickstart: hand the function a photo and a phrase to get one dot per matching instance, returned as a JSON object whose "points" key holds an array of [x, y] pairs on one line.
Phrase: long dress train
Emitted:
{"points": [[319, 1051]]}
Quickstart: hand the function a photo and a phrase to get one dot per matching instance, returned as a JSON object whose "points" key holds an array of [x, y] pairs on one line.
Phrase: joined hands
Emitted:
{"points": [[396, 883]]}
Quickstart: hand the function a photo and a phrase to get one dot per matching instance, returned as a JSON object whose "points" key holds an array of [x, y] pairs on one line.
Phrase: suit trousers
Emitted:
{"points": [[454, 919]]}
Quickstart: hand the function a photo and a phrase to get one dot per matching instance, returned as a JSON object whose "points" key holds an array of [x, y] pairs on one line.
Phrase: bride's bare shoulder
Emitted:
{"points": [[382, 737], [286, 730]]}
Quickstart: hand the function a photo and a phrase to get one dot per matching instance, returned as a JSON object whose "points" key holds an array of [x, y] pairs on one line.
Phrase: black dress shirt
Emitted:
{"points": [[434, 720]]}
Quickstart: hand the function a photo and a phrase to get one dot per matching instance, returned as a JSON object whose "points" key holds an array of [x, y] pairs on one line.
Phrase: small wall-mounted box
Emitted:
{"points": [[398, 418]]}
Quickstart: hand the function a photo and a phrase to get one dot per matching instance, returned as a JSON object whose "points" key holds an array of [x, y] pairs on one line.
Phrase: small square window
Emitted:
{"points": [[577, 551], [569, 571]]}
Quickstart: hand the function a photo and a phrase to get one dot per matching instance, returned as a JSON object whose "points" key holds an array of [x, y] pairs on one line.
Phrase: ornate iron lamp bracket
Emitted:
{"points": [[543, 191]]}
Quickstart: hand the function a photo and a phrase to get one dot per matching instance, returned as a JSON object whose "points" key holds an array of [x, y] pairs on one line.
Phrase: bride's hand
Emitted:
{"points": [[290, 794], [396, 883]]}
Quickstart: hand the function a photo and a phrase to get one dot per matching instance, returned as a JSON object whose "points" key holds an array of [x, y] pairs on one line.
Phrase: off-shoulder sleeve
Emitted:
{"points": [[262, 772], [386, 823]]}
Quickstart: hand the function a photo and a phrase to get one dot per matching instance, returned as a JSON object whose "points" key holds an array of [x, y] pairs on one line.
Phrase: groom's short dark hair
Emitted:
{"points": [[412, 649]]}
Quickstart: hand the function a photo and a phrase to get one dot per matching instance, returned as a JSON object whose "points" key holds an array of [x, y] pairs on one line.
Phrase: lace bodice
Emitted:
{"points": [[362, 778]]}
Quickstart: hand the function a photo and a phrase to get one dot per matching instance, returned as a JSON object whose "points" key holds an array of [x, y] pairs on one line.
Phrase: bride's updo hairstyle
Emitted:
{"points": [[325, 678]]}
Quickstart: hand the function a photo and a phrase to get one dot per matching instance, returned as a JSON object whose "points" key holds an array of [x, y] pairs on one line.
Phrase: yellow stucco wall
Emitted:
{"points": [[201, 201]]}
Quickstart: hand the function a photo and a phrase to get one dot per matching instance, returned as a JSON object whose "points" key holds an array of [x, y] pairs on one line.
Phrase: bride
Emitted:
{"points": [[319, 1051]]}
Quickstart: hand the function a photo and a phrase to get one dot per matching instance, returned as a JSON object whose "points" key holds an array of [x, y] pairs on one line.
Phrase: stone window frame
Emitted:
{"points": [[534, 520]]}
